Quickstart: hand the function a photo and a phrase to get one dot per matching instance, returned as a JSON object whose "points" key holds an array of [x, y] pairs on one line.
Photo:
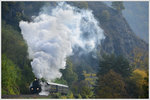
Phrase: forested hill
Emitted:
{"points": [[119, 37], [16, 67]]}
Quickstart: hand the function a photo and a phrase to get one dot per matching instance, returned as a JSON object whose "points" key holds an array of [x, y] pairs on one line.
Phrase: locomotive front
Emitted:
{"points": [[35, 87]]}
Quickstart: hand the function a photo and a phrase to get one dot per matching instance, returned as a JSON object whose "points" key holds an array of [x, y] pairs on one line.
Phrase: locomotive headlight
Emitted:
{"points": [[37, 89], [31, 88]]}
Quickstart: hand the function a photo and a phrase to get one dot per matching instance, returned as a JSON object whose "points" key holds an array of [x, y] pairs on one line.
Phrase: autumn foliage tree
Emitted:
{"points": [[138, 83], [140, 78], [113, 70], [110, 85], [139, 59], [117, 79]]}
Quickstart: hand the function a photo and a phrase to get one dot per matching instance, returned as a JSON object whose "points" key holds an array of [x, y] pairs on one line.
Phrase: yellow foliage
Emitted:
{"points": [[88, 79], [94, 75], [70, 96], [139, 75], [88, 75], [138, 60], [141, 72], [63, 97]]}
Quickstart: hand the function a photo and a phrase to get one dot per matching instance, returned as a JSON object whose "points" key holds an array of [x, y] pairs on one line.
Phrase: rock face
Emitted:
{"points": [[120, 39]]}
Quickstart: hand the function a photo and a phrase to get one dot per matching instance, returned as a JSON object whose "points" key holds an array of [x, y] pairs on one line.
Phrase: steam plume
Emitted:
{"points": [[53, 34]]}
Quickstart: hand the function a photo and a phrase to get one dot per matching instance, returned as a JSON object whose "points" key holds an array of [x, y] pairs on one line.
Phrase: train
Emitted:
{"points": [[36, 88]]}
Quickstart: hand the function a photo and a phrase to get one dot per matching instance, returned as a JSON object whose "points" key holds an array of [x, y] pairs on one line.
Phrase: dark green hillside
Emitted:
{"points": [[14, 50], [13, 12]]}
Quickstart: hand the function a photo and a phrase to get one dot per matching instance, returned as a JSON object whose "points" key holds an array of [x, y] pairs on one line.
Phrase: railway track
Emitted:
{"points": [[28, 96]]}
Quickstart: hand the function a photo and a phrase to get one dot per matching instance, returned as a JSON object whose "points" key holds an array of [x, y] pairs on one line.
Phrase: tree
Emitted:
{"points": [[118, 5], [137, 84], [10, 77], [68, 74], [140, 78], [139, 59], [13, 45], [70, 95], [82, 88], [15, 49], [146, 88], [110, 85], [85, 90], [74, 88], [119, 64], [90, 78], [79, 96], [26, 79], [105, 15], [60, 81], [5, 8]]}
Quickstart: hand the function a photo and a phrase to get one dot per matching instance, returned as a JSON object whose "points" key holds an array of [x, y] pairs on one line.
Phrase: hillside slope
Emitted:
{"points": [[120, 39]]}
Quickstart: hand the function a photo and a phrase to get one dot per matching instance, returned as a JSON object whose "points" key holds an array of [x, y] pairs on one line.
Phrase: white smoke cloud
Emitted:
{"points": [[45, 89], [52, 35]]}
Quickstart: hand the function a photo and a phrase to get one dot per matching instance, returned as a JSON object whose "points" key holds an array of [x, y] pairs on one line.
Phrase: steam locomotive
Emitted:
{"points": [[36, 88]]}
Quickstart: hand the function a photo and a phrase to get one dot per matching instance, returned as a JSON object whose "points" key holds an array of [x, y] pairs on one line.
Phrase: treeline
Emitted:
{"points": [[116, 78], [16, 69]]}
